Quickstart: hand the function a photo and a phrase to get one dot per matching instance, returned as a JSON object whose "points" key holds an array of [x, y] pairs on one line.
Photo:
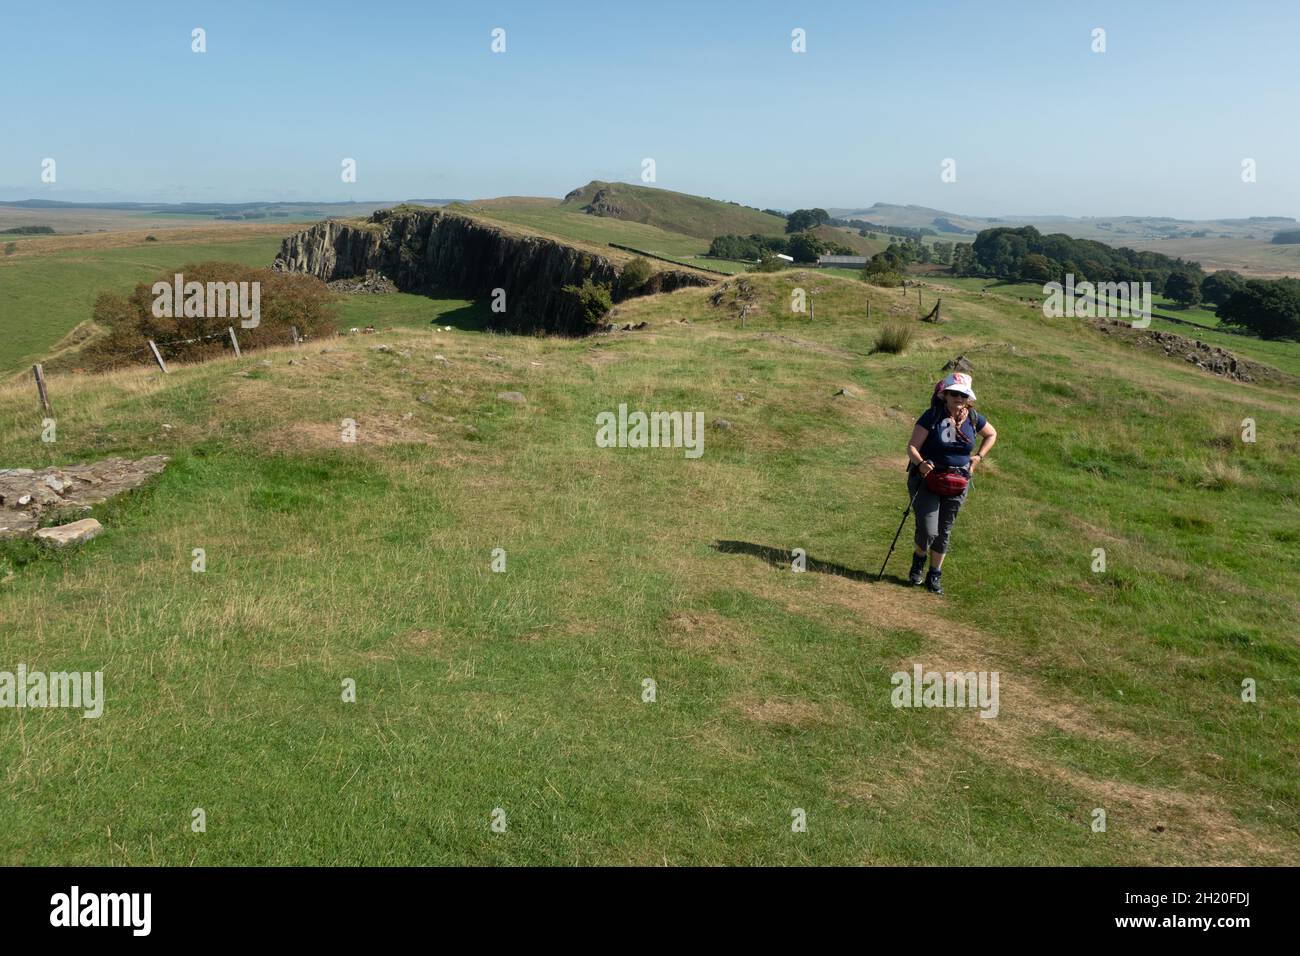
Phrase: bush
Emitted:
{"points": [[593, 299], [887, 280], [635, 275], [771, 264], [284, 300], [11, 248], [894, 338]]}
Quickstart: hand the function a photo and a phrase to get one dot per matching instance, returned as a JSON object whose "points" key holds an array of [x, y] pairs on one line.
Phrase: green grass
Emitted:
{"points": [[677, 212], [46, 296], [523, 690], [569, 223]]}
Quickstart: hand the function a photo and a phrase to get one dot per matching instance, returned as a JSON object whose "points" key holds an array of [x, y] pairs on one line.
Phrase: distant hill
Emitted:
{"points": [[675, 212], [1116, 230]]}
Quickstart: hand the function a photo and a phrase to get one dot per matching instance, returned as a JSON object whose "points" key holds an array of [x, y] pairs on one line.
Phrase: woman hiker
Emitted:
{"points": [[940, 464]]}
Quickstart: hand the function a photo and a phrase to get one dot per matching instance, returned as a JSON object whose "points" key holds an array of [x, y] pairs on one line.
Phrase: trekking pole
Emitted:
{"points": [[910, 502]]}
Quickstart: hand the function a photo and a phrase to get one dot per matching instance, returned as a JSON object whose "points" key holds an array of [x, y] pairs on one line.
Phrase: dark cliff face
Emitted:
{"points": [[432, 252]]}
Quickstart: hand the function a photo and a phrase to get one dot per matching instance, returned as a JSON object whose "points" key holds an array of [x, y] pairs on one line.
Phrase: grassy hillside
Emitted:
{"points": [[47, 294], [675, 212], [523, 690], [1279, 354]]}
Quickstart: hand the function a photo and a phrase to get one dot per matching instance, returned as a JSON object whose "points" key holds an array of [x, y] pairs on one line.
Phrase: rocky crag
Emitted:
{"points": [[435, 252]]}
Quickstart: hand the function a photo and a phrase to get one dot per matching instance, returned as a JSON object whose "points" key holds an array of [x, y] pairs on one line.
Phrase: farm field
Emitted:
{"points": [[524, 690]]}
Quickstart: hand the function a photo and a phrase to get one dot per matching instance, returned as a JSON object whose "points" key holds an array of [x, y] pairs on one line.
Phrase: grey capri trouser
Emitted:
{"points": [[934, 515]]}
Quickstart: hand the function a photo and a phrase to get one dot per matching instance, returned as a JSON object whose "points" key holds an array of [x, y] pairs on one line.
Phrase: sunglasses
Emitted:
{"points": [[960, 396]]}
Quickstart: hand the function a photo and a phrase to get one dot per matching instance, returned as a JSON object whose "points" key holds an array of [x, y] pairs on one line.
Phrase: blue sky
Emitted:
{"points": [[1037, 123]]}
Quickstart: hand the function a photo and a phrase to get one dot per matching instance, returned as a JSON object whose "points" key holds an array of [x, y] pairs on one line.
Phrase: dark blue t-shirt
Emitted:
{"points": [[945, 446]]}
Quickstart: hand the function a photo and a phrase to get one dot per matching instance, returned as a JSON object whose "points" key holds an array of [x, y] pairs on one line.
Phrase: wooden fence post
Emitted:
{"points": [[158, 357], [234, 341], [297, 339], [39, 372]]}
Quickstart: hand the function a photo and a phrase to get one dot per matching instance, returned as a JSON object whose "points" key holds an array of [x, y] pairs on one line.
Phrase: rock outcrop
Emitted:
{"points": [[435, 252], [1209, 358], [26, 496]]}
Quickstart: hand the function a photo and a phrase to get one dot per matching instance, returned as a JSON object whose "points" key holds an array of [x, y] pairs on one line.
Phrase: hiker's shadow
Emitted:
{"points": [[784, 559]]}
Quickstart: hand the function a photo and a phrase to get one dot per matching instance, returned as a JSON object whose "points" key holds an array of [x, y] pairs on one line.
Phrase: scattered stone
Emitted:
{"points": [[372, 283], [167, 427], [440, 358], [1158, 828], [1193, 351], [424, 398], [76, 532], [722, 423], [846, 392], [27, 495], [740, 396], [381, 348], [266, 362], [959, 364], [511, 397]]}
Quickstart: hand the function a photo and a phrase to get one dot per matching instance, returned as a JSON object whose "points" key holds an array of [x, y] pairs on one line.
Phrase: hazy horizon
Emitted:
{"points": [[1038, 123]]}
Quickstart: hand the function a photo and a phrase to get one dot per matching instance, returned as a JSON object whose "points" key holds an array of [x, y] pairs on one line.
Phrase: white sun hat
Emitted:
{"points": [[958, 382]]}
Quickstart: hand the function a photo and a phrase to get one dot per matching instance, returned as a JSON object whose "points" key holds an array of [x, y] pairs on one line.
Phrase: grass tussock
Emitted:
{"points": [[894, 338]]}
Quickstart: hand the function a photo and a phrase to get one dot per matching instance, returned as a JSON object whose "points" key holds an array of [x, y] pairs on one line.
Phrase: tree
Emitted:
{"points": [[1218, 288], [803, 219], [1269, 309], [593, 299], [1183, 288], [1039, 268], [805, 247], [964, 262], [634, 276], [771, 264]]}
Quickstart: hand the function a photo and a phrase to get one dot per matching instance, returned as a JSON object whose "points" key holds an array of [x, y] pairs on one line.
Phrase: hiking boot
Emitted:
{"points": [[932, 581], [917, 573]]}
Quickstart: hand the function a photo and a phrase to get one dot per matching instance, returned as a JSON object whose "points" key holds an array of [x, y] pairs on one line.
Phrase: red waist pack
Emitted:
{"points": [[945, 484]]}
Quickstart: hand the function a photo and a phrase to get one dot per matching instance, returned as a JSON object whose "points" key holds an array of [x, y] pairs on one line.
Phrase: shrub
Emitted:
{"points": [[887, 280], [771, 264], [11, 248], [285, 299], [635, 275], [593, 299], [894, 338]]}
